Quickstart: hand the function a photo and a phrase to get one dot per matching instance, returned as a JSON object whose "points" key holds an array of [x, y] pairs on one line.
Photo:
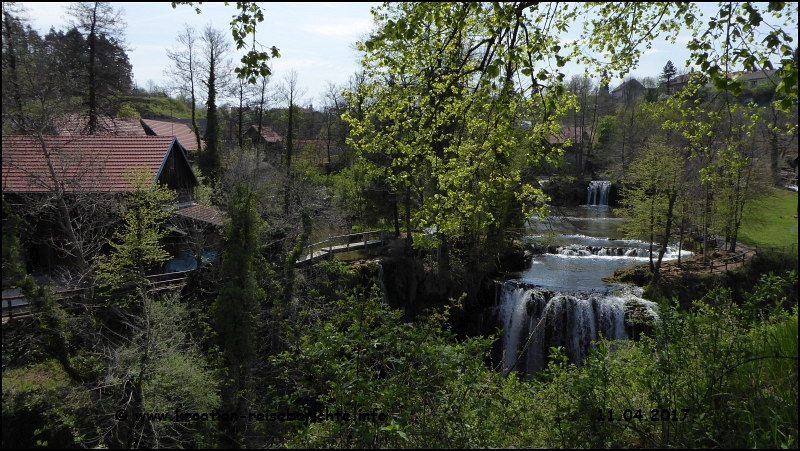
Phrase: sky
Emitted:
{"points": [[315, 39]]}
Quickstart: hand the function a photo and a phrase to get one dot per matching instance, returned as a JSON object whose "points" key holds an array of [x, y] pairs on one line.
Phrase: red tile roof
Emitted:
{"points": [[569, 132], [181, 131], [202, 213], [267, 133], [76, 124], [80, 163]]}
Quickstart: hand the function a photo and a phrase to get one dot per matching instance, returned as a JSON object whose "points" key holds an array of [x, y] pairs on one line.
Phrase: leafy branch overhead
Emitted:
{"points": [[254, 64]]}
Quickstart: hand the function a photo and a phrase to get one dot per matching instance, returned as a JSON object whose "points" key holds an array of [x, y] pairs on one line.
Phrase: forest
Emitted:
{"points": [[462, 141]]}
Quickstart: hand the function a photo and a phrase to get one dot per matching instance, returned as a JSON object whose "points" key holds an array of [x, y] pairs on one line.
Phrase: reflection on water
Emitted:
{"points": [[572, 274], [584, 245], [586, 220]]}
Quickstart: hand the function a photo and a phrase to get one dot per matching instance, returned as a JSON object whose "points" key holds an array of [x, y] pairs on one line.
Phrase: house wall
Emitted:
{"points": [[177, 175]]}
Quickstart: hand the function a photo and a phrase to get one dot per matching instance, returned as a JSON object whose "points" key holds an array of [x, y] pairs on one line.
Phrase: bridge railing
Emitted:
{"points": [[343, 243], [18, 306]]}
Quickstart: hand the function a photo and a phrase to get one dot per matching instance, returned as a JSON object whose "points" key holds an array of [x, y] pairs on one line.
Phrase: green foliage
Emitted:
{"points": [[356, 355], [655, 182], [737, 377], [235, 312], [167, 362], [203, 193], [126, 110], [746, 47], [160, 107], [42, 407], [136, 247], [13, 266], [447, 116], [209, 159]]}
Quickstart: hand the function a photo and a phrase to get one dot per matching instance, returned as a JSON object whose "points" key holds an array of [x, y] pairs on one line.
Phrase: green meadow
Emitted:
{"points": [[771, 221]]}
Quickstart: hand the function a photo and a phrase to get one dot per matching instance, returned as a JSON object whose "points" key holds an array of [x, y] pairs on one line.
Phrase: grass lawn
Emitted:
{"points": [[771, 221]]}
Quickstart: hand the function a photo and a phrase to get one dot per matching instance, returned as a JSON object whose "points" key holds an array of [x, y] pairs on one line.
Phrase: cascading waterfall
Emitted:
{"points": [[598, 193], [535, 320], [582, 250]]}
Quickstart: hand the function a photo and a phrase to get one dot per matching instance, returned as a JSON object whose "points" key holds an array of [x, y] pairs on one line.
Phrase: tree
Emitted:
{"points": [[655, 184], [290, 93], [136, 247], [667, 74], [155, 367], [216, 49], [104, 30], [744, 46], [15, 41], [255, 62], [581, 87], [334, 130], [13, 268], [185, 72], [236, 310], [262, 97]]}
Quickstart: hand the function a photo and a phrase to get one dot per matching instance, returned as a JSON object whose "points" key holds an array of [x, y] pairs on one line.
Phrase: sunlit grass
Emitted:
{"points": [[771, 221]]}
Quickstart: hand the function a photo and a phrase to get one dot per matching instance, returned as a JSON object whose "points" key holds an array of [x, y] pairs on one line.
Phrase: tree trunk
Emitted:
{"points": [[667, 229], [408, 222], [652, 230], [289, 143], [705, 226], [396, 216], [12, 62], [92, 41]]}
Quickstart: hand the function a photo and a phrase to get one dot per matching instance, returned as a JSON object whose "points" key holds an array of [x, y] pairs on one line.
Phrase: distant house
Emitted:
{"points": [[758, 78], [750, 80], [181, 131], [628, 91], [268, 138], [580, 145], [677, 84]]}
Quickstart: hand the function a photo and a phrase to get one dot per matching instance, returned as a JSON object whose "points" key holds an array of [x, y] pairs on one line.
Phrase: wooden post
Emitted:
{"points": [[10, 311], [330, 249]]}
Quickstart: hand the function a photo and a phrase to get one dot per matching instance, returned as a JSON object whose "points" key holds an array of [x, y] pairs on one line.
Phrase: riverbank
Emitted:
{"points": [[692, 279]]}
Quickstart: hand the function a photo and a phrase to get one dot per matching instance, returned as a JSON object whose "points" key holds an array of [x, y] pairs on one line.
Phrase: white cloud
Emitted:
{"points": [[347, 29]]}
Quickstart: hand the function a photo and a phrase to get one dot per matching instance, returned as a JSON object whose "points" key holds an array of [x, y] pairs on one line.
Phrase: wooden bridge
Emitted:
{"points": [[342, 243], [17, 305]]}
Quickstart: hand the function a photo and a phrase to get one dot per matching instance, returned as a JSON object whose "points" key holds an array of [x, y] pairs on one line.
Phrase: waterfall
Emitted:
{"points": [[578, 250], [535, 320], [598, 193]]}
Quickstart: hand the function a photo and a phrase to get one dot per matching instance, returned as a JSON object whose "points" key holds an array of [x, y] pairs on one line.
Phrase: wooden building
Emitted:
{"points": [[94, 164], [269, 140], [94, 170]]}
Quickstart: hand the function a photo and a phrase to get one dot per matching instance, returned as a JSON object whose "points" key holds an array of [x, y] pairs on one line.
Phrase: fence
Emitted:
{"points": [[720, 263], [342, 243], [18, 306]]}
